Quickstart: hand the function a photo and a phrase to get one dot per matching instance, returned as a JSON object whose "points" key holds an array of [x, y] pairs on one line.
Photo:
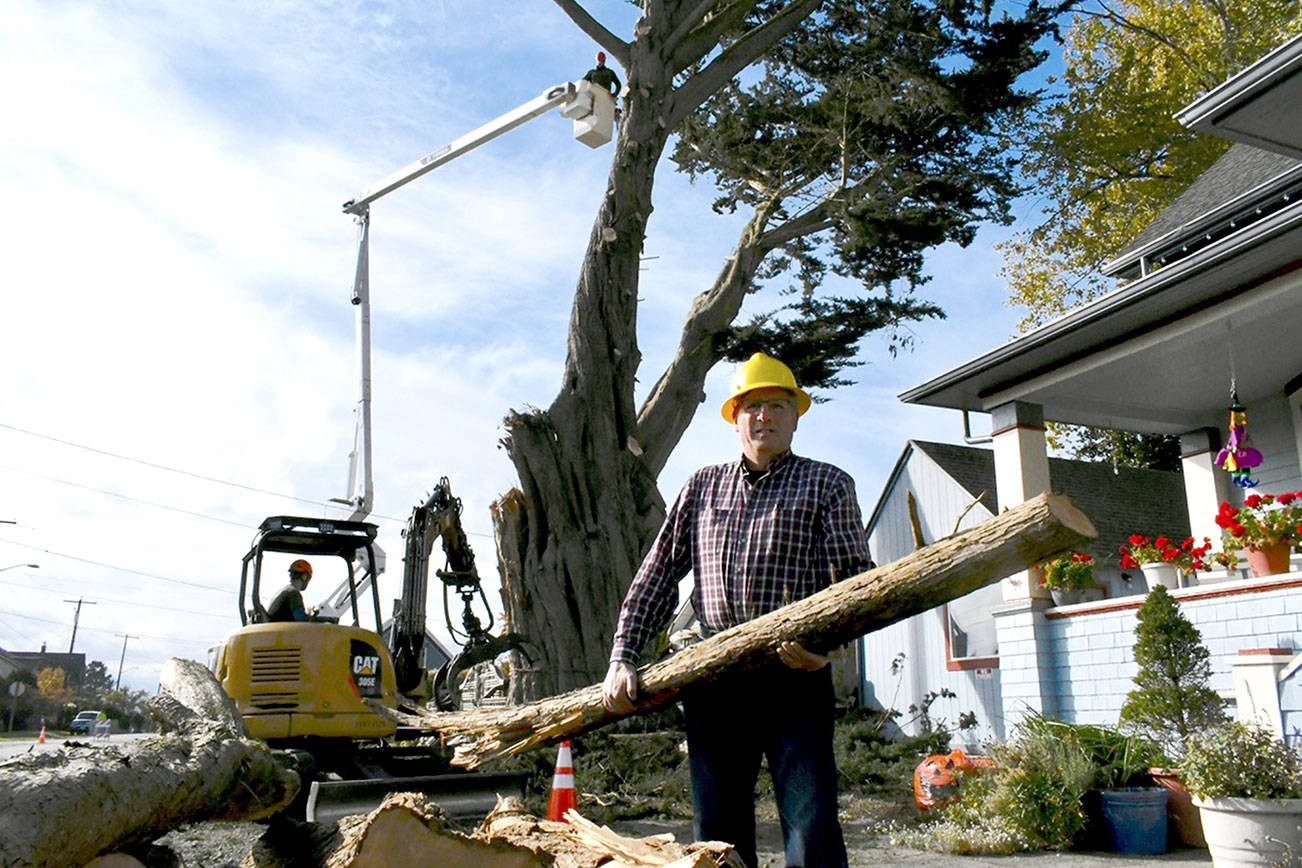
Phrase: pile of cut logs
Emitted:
{"points": [[70, 807]]}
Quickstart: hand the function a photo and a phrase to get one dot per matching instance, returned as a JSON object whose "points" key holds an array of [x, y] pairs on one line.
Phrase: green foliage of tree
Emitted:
{"points": [[1106, 152], [1171, 701], [96, 678], [871, 134], [1118, 448]]}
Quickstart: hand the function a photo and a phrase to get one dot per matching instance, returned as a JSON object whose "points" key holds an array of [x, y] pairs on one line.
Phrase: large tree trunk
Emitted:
{"points": [[589, 506], [930, 576], [65, 808]]}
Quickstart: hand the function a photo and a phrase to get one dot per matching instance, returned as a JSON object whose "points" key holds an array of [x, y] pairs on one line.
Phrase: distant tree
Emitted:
{"points": [[1171, 700], [1105, 153], [869, 132], [55, 695], [97, 678], [1118, 448]]}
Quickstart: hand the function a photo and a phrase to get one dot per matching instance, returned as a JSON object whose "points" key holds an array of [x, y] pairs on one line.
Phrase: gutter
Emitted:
{"points": [[1116, 302]]}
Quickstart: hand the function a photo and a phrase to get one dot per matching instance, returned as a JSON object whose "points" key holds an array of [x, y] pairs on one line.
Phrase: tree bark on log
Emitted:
{"points": [[943, 571], [64, 808], [407, 829]]}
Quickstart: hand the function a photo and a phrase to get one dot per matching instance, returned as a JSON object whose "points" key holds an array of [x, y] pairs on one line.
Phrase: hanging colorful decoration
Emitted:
{"points": [[1238, 456]]}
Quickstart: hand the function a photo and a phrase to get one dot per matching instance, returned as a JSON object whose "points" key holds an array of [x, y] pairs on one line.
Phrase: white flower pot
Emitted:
{"points": [[1163, 574], [1242, 832]]}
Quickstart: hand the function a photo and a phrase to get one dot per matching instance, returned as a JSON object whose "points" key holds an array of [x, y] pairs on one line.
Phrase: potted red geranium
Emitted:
{"points": [[1162, 560], [1267, 528]]}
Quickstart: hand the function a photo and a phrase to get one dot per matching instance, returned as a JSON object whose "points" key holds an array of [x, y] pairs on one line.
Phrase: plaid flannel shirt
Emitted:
{"points": [[752, 546]]}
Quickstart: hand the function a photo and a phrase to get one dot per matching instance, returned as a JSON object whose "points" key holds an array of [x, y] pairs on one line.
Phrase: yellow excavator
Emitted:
{"points": [[317, 690]]}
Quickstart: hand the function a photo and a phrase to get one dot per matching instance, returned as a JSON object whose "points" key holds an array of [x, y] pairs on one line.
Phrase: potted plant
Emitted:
{"points": [[1266, 528], [1172, 700], [1161, 560], [1070, 579], [1124, 810], [1247, 785]]}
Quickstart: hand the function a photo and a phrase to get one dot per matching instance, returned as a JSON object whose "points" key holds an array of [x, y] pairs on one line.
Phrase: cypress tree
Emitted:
{"points": [[1171, 700]]}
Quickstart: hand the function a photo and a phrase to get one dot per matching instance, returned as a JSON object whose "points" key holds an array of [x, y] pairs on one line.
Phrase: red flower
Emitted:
{"points": [[1137, 540], [1162, 542], [1238, 530], [1127, 562], [1252, 501], [1286, 499], [1186, 545]]}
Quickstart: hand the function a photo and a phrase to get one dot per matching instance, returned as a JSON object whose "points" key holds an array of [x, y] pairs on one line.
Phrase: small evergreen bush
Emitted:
{"points": [[1171, 701]]}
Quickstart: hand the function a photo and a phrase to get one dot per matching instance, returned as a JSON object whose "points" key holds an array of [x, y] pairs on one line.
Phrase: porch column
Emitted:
{"points": [[1026, 679], [1205, 484], [1021, 472]]}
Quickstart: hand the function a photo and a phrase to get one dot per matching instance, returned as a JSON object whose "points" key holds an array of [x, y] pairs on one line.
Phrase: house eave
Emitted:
{"points": [[1196, 281], [1258, 106]]}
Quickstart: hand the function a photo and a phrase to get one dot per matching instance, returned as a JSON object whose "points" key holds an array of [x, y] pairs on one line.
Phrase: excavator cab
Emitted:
{"points": [[317, 679]]}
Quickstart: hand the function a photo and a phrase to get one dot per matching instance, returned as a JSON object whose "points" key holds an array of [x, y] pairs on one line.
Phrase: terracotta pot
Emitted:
{"points": [[1269, 561], [1186, 826]]}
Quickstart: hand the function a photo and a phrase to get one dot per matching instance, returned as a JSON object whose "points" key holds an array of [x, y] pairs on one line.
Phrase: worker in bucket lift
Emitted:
{"points": [[288, 604], [603, 76], [756, 533]]}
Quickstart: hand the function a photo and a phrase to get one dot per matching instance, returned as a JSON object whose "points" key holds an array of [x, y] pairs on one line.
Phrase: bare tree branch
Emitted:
{"points": [[735, 58], [694, 39], [618, 48]]}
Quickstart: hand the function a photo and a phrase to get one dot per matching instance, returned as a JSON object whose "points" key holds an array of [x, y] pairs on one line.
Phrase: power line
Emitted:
{"points": [[156, 466], [109, 630], [115, 567], [111, 601], [128, 497], [179, 471]]}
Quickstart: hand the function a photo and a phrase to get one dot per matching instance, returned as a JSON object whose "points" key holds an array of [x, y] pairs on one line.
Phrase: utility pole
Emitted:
{"points": [[125, 637], [77, 617]]}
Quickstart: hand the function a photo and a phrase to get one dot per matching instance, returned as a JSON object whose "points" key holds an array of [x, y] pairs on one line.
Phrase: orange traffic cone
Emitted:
{"points": [[563, 795], [41, 740]]}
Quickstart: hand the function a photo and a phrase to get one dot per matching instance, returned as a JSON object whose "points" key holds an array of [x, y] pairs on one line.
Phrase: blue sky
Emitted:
{"points": [[178, 285]]}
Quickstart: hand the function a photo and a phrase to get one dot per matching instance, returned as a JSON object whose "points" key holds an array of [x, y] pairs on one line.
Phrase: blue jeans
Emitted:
{"points": [[785, 716]]}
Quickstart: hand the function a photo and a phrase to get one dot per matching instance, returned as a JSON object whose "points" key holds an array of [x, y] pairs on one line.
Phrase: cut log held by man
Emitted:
{"points": [[945, 570]]}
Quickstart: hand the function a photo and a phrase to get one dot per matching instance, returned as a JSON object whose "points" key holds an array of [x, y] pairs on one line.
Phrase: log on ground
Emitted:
{"points": [[945, 570], [65, 808], [408, 829]]}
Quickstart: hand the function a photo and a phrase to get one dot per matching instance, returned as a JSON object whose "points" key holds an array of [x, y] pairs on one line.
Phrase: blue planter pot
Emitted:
{"points": [[1136, 819]]}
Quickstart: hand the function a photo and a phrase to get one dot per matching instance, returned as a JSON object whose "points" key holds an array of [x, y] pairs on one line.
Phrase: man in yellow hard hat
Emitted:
{"points": [[288, 604], [756, 533]]}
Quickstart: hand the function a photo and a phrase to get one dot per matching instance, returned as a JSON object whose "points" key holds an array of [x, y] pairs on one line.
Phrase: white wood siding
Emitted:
{"points": [[940, 500]]}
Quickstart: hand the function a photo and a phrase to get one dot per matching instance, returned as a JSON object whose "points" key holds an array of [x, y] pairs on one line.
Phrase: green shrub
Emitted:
{"points": [[1030, 800], [1171, 700], [1235, 761], [1119, 759]]}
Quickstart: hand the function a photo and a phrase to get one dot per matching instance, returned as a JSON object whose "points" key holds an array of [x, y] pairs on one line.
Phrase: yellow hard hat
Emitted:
{"points": [[759, 372]]}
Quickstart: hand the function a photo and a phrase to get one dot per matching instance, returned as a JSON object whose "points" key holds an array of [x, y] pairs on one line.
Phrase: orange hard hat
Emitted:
{"points": [[301, 566]]}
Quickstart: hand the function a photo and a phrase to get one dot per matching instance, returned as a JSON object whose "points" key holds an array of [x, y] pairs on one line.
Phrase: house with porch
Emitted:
{"points": [[1211, 306]]}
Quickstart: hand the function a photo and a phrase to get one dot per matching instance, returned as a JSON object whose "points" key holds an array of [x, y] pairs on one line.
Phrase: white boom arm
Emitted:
{"points": [[592, 110]]}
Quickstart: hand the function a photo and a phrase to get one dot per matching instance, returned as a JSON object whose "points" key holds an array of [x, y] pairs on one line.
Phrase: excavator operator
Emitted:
{"points": [[288, 604]]}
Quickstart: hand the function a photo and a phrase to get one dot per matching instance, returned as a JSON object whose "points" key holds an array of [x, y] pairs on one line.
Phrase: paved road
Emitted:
{"points": [[15, 747]]}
